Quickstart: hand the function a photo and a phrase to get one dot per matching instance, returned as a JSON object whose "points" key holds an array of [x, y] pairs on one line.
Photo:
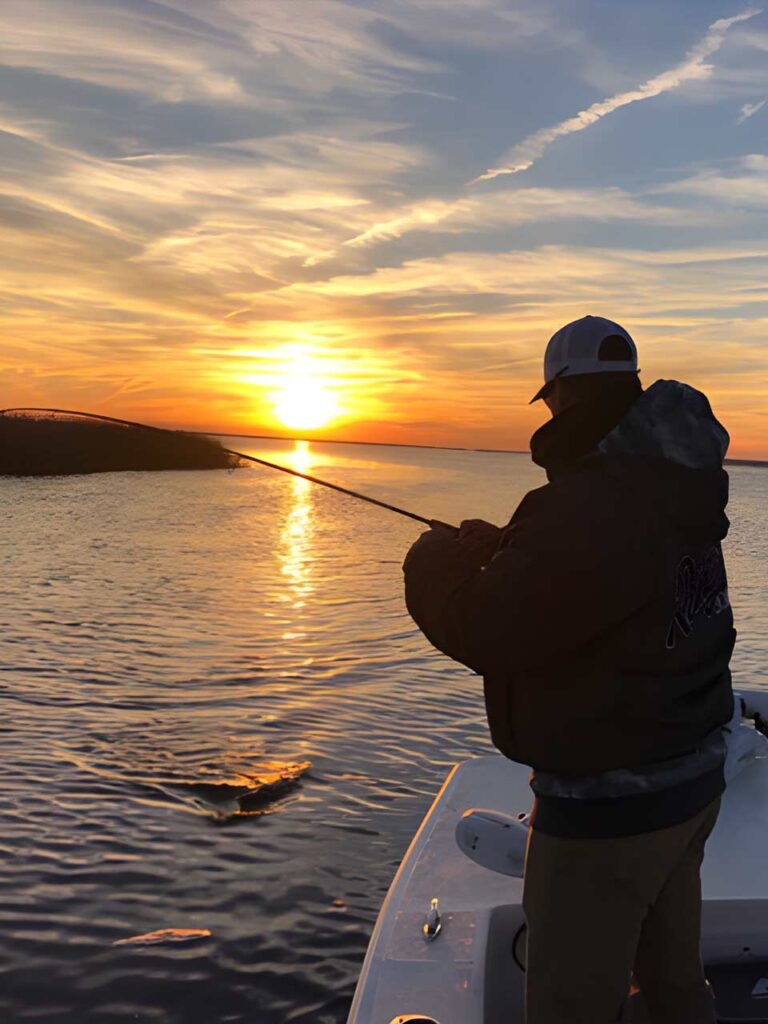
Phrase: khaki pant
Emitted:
{"points": [[599, 909]]}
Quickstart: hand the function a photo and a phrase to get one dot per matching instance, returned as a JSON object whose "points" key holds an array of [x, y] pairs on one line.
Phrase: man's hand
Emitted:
{"points": [[479, 537], [443, 571]]}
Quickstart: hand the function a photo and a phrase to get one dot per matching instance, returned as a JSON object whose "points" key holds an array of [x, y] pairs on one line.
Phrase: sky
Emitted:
{"points": [[214, 210]]}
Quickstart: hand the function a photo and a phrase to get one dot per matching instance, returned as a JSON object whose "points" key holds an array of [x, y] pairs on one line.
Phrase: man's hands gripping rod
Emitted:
{"points": [[476, 537]]}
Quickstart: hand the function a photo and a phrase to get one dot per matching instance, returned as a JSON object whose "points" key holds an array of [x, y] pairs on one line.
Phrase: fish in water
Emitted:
{"points": [[165, 935], [247, 794]]}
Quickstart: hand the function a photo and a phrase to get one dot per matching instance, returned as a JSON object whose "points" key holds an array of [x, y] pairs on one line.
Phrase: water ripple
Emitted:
{"points": [[218, 716]]}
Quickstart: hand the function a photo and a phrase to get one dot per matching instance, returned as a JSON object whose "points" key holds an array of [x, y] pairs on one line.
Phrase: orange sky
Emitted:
{"points": [[202, 206]]}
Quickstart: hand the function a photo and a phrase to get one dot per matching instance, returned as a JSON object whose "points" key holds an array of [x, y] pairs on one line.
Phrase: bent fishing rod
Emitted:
{"points": [[249, 458]]}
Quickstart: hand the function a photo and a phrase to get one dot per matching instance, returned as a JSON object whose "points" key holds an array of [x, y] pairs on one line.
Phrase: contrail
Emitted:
{"points": [[522, 156]]}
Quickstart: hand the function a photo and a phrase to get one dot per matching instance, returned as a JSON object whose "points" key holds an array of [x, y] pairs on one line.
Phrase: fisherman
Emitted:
{"points": [[600, 621]]}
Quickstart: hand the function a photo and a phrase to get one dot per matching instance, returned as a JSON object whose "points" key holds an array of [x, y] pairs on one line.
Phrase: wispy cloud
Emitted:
{"points": [[749, 110], [745, 188], [693, 66], [645, 282], [502, 210], [259, 55]]}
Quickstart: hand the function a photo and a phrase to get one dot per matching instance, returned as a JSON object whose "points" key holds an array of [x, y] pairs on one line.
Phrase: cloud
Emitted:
{"points": [[651, 281], [746, 188], [157, 51], [501, 210], [693, 66], [749, 110], [231, 53], [250, 205]]}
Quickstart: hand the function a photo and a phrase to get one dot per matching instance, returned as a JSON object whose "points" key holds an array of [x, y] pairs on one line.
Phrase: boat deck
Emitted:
{"points": [[471, 973]]}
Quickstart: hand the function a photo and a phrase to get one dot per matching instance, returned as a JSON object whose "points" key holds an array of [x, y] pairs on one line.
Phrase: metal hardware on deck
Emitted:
{"points": [[432, 926]]}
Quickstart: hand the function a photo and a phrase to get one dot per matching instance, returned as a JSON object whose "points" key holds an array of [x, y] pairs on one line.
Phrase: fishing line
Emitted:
{"points": [[248, 458]]}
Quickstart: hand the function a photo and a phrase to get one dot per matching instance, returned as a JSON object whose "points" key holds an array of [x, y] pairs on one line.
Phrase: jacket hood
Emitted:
{"points": [[671, 437], [670, 421]]}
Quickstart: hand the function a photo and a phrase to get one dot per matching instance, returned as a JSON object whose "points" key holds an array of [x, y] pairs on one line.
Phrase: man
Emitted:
{"points": [[599, 618]]}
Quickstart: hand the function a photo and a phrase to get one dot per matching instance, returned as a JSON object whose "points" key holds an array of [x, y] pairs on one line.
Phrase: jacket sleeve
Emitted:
{"points": [[556, 582], [440, 576], [466, 610]]}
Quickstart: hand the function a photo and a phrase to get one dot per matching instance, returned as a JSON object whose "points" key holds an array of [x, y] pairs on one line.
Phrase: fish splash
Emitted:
{"points": [[165, 935], [246, 793]]}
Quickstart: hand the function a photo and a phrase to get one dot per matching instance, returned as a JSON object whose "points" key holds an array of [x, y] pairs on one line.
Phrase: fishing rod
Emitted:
{"points": [[250, 458], [344, 490]]}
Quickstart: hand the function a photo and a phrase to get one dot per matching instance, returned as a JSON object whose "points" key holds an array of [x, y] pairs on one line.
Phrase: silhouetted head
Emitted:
{"points": [[588, 362]]}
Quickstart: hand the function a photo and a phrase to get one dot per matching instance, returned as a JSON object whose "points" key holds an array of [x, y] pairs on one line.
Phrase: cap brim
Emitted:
{"points": [[547, 386]]}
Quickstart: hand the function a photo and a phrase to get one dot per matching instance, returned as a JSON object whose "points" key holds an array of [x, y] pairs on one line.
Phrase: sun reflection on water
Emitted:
{"points": [[296, 535]]}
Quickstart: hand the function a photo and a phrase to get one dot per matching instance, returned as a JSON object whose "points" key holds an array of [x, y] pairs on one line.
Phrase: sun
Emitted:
{"points": [[303, 402]]}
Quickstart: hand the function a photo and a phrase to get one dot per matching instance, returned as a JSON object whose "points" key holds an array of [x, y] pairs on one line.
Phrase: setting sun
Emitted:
{"points": [[303, 401]]}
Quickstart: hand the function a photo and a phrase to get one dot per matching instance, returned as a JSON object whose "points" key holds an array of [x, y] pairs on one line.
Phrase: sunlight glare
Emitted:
{"points": [[303, 401], [301, 457]]}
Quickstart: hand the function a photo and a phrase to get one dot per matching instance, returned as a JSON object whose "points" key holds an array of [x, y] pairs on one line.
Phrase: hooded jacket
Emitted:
{"points": [[601, 625]]}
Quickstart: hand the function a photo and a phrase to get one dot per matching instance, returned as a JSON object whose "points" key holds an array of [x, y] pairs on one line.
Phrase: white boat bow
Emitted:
{"points": [[461, 960]]}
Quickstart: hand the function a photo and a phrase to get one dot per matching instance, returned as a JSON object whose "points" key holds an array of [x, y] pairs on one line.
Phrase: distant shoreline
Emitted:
{"points": [[760, 463], [378, 444]]}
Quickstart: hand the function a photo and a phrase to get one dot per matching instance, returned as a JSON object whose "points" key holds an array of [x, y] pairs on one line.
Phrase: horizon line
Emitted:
{"points": [[432, 447], [380, 444]]}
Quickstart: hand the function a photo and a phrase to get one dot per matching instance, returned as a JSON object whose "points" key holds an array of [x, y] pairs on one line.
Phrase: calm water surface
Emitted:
{"points": [[173, 641]]}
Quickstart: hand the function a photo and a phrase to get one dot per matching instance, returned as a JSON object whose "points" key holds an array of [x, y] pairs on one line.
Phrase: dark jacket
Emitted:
{"points": [[602, 625]]}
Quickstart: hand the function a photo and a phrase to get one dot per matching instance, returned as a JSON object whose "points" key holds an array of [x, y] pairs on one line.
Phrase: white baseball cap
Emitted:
{"points": [[590, 345]]}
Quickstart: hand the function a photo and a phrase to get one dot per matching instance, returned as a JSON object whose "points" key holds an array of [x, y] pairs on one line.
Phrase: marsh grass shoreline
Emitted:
{"points": [[39, 445]]}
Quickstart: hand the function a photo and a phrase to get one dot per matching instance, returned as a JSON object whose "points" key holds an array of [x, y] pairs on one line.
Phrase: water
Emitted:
{"points": [[171, 642]]}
